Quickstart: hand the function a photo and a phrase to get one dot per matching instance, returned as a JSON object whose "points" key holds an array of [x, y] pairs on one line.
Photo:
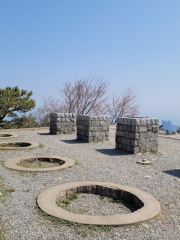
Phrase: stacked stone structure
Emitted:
{"points": [[93, 128], [137, 135], [62, 123]]}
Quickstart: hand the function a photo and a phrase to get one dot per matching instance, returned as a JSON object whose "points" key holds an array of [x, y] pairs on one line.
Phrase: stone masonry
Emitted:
{"points": [[62, 123], [93, 128], [137, 135]]}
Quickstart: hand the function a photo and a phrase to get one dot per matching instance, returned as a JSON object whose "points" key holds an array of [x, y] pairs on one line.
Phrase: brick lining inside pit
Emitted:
{"points": [[48, 162], [15, 144], [101, 201], [5, 135], [116, 194]]}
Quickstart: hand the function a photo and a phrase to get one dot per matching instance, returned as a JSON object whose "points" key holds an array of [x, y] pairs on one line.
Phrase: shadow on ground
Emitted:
{"points": [[73, 141], [174, 172], [45, 134], [112, 152]]}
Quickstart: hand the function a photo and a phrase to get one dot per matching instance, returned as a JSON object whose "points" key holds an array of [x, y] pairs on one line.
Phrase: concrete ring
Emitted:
{"points": [[25, 145], [150, 209], [13, 163], [7, 135]]}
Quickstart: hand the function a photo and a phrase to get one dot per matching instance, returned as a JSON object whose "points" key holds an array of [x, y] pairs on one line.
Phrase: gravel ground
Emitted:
{"points": [[97, 161], [90, 204]]}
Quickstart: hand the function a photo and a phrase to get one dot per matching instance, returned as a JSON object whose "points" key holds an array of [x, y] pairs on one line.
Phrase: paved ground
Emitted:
{"points": [[97, 161]]}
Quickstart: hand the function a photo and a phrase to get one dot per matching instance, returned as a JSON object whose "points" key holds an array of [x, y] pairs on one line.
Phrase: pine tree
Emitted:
{"points": [[13, 100]]}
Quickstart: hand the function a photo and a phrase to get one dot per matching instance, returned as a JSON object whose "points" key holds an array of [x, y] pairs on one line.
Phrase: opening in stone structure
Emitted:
{"points": [[15, 144], [99, 200], [5, 135], [40, 162]]}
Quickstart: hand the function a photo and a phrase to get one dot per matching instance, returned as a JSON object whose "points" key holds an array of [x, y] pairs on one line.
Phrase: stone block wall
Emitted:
{"points": [[93, 128], [137, 135], [62, 123]]}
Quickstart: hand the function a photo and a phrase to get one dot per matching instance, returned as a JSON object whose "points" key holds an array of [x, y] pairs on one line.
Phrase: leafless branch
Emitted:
{"points": [[84, 95], [123, 105], [49, 105], [90, 96]]}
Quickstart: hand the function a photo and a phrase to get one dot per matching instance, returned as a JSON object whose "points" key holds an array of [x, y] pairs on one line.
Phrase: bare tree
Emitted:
{"points": [[49, 105], [84, 95], [123, 105], [89, 96]]}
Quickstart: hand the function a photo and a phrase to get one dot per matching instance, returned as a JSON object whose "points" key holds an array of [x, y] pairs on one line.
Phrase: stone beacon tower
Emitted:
{"points": [[137, 135]]}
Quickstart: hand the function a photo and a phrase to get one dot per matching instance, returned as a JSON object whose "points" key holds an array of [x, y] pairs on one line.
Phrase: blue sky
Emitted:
{"points": [[131, 42]]}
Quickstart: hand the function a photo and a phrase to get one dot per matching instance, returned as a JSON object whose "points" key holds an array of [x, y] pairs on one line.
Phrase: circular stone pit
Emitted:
{"points": [[18, 145], [148, 206], [64, 162], [7, 135]]}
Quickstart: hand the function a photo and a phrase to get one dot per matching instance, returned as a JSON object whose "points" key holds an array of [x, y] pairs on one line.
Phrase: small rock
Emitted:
{"points": [[0, 193], [145, 225], [177, 179], [147, 176], [144, 161]]}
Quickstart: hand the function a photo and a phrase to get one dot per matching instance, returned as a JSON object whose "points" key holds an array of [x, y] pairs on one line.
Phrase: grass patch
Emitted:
{"points": [[1, 232], [24, 173], [101, 197], [72, 197], [4, 193], [54, 220], [32, 148], [41, 145], [64, 203], [38, 164], [154, 151], [27, 190], [77, 163], [10, 190], [116, 201], [27, 173], [83, 230], [10, 145]]}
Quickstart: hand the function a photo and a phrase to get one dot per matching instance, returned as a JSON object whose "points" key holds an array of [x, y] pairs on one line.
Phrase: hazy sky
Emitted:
{"points": [[131, 42]]}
